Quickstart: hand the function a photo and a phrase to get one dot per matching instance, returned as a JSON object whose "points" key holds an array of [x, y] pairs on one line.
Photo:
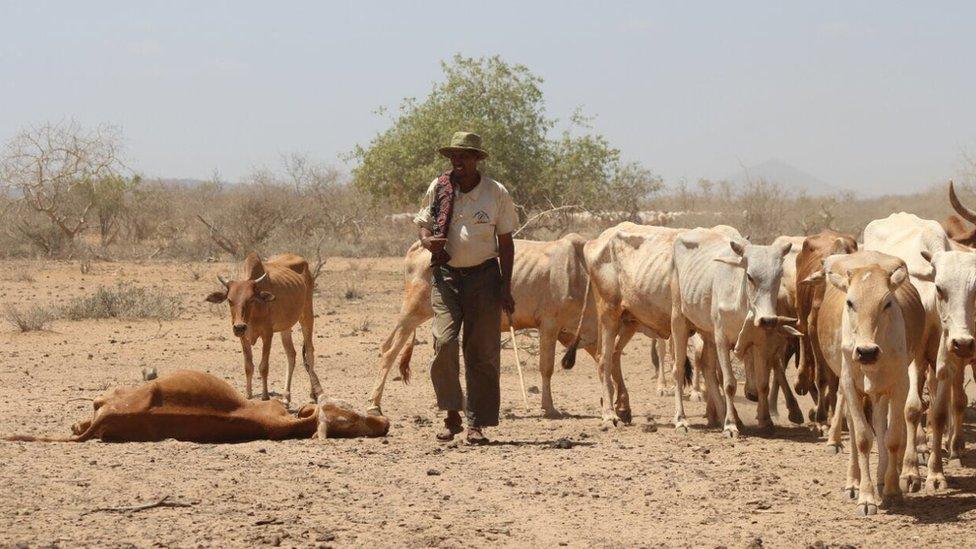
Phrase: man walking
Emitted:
{"points": [[466, 222]]}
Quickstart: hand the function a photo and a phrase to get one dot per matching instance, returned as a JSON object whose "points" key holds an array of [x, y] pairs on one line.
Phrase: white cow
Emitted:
{"points": [[906, 236], [630, 268], [725, 288], [955, 285]]}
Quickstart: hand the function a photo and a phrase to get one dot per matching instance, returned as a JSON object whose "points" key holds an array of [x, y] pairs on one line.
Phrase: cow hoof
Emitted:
{"points": [[935, 483], [695, 396], [955, 462], [910, 483], [850, 493], [681, 427], [796, 417], [922, 458], [833, 448], [800, 389], [730, 433], [551, 413], [374, 411], [766, 427], [867, 509], [608, 424], [663, 391], [752, 396], [625, 416]]}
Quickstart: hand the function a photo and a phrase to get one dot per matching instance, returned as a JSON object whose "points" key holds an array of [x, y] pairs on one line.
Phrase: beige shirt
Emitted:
{"points": [[479, 217]]}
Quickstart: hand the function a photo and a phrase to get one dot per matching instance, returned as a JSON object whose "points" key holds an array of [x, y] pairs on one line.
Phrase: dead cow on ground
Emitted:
{"points": [[195, 406], [270, 298]]}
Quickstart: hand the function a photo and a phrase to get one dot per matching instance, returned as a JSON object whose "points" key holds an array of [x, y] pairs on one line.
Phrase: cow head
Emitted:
{"points": [[869, 307], [244, 299], [955, 287], [763, 269]]}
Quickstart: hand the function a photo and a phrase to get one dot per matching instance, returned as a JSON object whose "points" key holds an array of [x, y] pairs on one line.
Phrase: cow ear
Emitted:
{"points": [[898, 277], [216, 297], [838, 280], [734, 261], [813, 278], [785, 248], [266, 296], [737, 247]]}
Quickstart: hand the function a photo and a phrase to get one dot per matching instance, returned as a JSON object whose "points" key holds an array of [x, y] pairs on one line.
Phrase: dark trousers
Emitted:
{"points": [[467, 303]]}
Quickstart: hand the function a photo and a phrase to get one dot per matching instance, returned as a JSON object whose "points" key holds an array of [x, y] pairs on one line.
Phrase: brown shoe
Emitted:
{"points": [[475, 436], [452, 426]]}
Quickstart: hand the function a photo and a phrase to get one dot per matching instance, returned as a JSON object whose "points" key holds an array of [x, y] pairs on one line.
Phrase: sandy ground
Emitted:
{"points": [[642, 485]]}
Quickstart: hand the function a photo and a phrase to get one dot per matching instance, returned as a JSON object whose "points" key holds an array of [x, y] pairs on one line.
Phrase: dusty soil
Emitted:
{"points": [[635, 486]]}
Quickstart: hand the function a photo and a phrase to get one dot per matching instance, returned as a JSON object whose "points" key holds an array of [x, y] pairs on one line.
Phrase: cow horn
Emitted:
{"points": [[781, 320], [963, 211], [223, 281], [261, 278]]}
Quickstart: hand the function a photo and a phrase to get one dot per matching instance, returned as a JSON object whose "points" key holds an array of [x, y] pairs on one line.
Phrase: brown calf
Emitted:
{"points": [[197, 407], [271, 297], [812, 374]]}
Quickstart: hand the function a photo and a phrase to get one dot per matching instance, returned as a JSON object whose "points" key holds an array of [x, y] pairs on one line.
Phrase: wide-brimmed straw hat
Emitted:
{"points": [[465, 141]]}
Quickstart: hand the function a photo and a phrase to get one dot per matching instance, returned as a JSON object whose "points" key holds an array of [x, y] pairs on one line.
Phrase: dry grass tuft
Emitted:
{"points": [[31, 319], [123, 301]]}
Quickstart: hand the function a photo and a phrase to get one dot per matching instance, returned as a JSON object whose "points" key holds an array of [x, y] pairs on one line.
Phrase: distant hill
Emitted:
{"points": [[790, 178]]}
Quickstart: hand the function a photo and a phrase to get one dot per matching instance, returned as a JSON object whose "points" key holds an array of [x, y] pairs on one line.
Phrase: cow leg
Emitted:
{"points": [[835, 433], [913, 412], [894, 438], [263, 366], [402, 333], [622, 403], [548, 334], [732, 422], [795, 413], [714, 404], [938, 414], [679, 343], [774, 395], [248, 366], [879, 422], [761, 373], [695, 393], [609, 324], [308, 352], [853, 464], [658, 354], [289, 346], [863, 437], [957, 444]]}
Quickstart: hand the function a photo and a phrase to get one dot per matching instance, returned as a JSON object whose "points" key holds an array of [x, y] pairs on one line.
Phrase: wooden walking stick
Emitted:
{"points": [[518, 361]]}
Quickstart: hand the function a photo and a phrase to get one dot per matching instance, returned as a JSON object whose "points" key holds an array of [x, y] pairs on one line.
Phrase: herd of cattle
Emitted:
{"points": [[876, 326]]}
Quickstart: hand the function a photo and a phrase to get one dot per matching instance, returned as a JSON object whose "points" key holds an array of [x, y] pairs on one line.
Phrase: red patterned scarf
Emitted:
{"points": [[442, 207]]}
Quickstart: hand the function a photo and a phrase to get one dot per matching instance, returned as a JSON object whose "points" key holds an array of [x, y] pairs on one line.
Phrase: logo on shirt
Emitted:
{"points": [[481, 217]]}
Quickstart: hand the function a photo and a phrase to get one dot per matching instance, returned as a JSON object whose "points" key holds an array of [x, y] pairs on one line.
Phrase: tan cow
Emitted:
{"points": [[197, 407], [271, 297], [813, 376], [870, 328], [548, 284]]}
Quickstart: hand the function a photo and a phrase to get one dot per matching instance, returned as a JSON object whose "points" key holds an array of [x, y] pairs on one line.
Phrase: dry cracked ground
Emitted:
{"points": [[548, 482]]}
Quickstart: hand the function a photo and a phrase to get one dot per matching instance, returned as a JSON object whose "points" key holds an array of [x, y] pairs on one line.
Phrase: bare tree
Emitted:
{"points": [[54, 169]]}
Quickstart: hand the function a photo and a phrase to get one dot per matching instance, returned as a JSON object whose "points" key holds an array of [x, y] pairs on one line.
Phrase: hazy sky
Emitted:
{"points": [[868, 95]]}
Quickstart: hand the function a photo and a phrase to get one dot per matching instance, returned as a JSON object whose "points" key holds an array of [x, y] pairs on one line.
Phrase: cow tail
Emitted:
{"points": [[404, 365], [689, 369], [569, 357], [31, 438]]}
